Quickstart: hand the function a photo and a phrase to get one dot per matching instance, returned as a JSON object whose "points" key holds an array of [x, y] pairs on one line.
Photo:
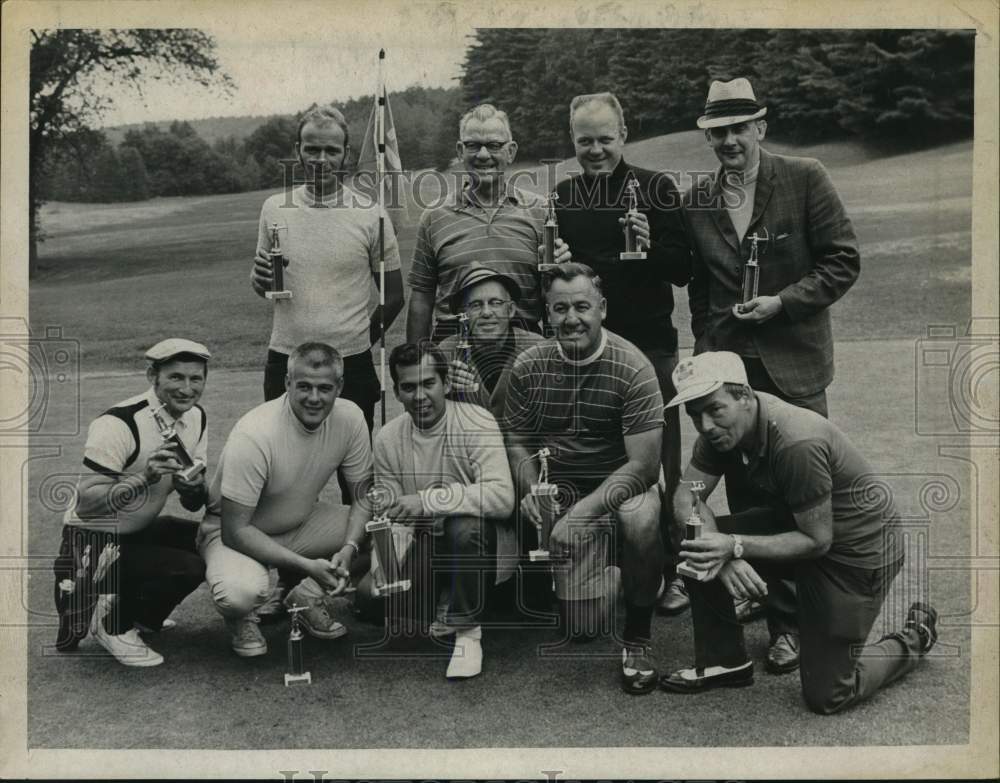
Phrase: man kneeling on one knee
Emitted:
{"points": [[263, 503], [812, 523]]}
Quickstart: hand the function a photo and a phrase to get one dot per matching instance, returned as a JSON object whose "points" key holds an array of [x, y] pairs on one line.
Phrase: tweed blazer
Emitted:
{"points": [[810, 261]]}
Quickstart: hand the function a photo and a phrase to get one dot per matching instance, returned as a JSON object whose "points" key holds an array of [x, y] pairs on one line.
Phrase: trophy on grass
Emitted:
{"points": [[296, 674], [385, 558], [550, 232], [545, 495], [632, 251], [692, 530], [751, 270], [278, 264], [191, 468]]}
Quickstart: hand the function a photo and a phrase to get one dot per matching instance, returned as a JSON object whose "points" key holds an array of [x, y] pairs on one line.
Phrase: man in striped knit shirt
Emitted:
{"points": [[593, 400], [488, 220]]}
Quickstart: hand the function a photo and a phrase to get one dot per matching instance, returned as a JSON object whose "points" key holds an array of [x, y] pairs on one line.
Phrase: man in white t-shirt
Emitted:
{"points": [[264, 508], [329, 236], [118, 507]]}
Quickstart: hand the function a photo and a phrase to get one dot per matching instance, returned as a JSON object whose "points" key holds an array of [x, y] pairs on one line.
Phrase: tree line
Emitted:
{"points": [[177, 161], [912, 87]]}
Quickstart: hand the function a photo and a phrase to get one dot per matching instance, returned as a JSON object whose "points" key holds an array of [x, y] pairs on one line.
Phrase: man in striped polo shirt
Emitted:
{"points": [[488, 220], [593, 400]]}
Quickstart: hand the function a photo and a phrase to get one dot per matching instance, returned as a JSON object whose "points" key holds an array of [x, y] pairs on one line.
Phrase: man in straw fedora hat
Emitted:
{"points": [[786, 211]]}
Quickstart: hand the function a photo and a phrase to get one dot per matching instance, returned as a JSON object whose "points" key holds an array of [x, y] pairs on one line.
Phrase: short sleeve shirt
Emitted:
{"points": [[799, 461], [277, 466], [121, 440], [332, 249], [582, 412], [504, 238]]}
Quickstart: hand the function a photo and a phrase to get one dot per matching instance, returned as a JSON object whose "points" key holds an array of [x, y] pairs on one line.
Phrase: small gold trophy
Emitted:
{"points": [[296, 674], [751, 270], [278, 264], [385, 560], [545, 495], [632, 251], [191, 467], [550, 232], [692, 530]]}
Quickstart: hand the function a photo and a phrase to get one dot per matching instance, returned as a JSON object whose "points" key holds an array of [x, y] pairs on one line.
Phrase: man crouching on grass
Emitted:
{"points": [[802, 514], [263, 502], [445, 465]]}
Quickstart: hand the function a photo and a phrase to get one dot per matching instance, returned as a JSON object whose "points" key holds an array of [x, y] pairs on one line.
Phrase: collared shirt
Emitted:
{"points": [[121, 440], [503, 237], [798, 461]]}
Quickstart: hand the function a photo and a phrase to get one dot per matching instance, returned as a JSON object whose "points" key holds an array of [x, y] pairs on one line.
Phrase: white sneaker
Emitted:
{"points": [[128, 648], [467, 657], [245, 637], [316, 619]]}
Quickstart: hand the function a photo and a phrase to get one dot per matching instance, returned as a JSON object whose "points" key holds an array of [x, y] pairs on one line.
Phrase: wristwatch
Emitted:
{"points": [[357, 549], [737, 547]]}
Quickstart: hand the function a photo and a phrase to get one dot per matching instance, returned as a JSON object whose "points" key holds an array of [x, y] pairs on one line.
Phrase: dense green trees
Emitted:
{"points": [[898, 86]]}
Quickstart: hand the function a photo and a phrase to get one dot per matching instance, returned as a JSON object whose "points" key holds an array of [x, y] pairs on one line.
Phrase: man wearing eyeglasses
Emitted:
{"points": [[808, 258], [489, 221], [489, 299]]}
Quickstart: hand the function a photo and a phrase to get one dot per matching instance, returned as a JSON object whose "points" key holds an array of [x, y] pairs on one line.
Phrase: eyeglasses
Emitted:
{"points": [[492, 147], [476, 306]]}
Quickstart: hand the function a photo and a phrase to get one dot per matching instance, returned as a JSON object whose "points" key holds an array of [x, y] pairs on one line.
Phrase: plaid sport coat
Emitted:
{"points": [[810, 260]]}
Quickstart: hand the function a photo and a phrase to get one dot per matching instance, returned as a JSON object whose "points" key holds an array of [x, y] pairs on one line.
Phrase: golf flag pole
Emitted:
{"points": [[380, 177]]}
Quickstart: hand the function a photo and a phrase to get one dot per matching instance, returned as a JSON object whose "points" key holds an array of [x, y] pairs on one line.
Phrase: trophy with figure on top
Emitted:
{"points": [[632, 251], [278, 264], [546, 498], [692, 530], [191, 468], [386, 571], [296, 674], [550, 233], [751, 269]]}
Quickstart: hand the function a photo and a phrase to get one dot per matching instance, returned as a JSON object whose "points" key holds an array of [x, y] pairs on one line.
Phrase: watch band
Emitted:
{"points": [[737, 547], [357, 549]]}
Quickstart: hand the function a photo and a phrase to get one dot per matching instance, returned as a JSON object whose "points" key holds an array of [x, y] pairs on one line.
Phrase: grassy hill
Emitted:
{"points": [[182, 264]]}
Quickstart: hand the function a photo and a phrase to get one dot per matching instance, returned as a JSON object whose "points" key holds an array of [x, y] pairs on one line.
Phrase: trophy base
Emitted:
{"points": [[639, 255], [547, 267], [298, 679], [688, 570], [191, 473], [539, 556], [278, 294], [392, 588]]}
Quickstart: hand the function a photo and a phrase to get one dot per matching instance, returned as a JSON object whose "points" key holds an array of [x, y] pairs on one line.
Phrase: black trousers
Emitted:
{"points": [[361, 384], [837, 606], [157, 568]]}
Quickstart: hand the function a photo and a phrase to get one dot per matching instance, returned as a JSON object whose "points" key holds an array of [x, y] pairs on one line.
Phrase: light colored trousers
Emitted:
{"points": [[240, 584]]}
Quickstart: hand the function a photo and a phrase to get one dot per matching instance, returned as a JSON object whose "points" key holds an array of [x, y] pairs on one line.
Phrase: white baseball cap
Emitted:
{"points": [[174, 345], [701, 375]]}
